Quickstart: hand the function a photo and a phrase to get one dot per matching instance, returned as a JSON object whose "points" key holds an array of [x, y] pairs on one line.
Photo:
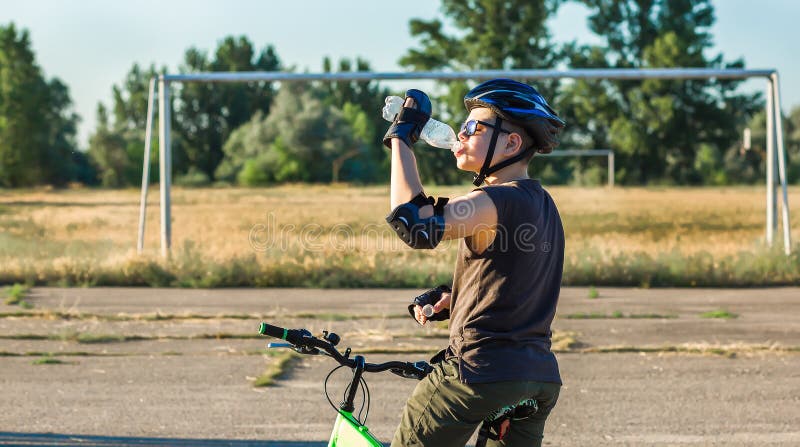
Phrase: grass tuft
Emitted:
{"points": [[564, 341], [442, 325], [719, 314], [587, 316], [593, 293], [49, 361], [88, 338], [326, 316], [15, 296], [653, 316], [616, 315], [727, 350], [277, 368]]}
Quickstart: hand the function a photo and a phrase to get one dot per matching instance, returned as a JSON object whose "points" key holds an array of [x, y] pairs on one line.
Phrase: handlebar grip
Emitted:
{"points": [[273, 331], [293, 336]]}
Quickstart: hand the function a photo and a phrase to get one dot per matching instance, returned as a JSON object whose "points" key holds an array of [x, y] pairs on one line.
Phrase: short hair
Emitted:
{"points": [[528, 142]]}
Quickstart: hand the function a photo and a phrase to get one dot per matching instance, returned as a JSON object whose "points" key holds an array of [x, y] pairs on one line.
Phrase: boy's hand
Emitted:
{"points": [[442, 304], [409, 122], [438, 297]]}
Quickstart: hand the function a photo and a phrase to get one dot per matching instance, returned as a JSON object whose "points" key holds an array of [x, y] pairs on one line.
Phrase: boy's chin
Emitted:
{"points": [[460, 165]]}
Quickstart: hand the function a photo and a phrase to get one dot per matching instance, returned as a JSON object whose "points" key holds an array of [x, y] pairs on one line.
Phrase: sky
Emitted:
{"points": [[91, 44]]}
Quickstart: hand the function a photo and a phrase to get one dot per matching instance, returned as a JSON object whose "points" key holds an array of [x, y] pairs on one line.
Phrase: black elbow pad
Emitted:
{"points": [[416, 232]]}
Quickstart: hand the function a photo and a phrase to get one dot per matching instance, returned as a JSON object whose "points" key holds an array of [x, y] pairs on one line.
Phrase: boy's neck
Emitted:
{"points": [[517, 171]]}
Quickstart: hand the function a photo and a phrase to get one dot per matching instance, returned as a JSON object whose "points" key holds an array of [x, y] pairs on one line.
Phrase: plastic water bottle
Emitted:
{"points": [[435, 133]]}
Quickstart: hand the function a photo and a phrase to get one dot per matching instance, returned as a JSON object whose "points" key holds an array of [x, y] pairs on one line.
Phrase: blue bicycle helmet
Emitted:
{"points": [[519, 104]]}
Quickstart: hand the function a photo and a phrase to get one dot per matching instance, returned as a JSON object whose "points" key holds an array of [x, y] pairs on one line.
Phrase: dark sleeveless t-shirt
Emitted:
{"points": [[504, 299]]}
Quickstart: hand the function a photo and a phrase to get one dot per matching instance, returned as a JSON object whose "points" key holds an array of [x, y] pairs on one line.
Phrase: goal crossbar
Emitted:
{"points": [[775, 146], [586, 73]]}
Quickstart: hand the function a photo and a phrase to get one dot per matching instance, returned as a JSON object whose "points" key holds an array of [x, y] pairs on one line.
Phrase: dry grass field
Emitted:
{"points": [[335, 236]]}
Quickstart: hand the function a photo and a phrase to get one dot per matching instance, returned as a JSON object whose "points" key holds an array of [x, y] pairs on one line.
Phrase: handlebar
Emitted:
{"points": [[305, 343]]}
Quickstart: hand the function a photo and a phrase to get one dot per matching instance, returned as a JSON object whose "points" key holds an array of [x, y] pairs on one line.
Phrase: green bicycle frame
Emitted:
{"points": [[348, 432]]}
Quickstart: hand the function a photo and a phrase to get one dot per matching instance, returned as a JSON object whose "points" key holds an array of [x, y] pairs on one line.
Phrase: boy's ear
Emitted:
{"points": [[513, 143]]}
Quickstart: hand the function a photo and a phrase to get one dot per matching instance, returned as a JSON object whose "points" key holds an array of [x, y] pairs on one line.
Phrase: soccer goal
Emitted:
{"points": [[775, 147]]}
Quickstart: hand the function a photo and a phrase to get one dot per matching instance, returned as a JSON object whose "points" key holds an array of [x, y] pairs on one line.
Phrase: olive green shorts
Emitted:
{"points": [[443, 412]]}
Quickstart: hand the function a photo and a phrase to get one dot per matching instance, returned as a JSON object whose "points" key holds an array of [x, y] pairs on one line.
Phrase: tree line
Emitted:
{"points": [[261, 133]]}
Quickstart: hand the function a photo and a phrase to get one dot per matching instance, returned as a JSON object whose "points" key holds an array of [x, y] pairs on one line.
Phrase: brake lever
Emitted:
{"points": [[307, 350], [408, 375], [402, 373], [300, 349], [422, 370]]}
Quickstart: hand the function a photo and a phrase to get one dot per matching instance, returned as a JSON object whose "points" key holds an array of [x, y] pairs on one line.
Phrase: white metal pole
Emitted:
{"points": [[585, 73], [146, 166], [611, 169], [787, 236], [770, 164], [165, 163]]}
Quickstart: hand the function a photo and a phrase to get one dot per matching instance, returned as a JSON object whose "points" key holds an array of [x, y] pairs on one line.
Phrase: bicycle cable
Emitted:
{"points": [[325, 387], [363, 399], [365, 396], [367, 399]]}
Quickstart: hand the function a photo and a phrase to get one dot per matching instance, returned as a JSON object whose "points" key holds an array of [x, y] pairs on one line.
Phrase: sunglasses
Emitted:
{"points": [[470, 127]]}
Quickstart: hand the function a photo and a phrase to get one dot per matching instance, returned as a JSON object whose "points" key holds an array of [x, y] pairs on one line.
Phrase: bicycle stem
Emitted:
{"points": [[358, 369]]}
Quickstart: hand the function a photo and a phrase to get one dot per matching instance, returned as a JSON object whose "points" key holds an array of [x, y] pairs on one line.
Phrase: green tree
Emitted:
{"points": [[117, 144], [749, 166], [109, 151], [300, 140], [207, 113], [662, 130], [792, 143], [358, 157], [37, 124], [497, 34], [361, 103], [493, 34]]}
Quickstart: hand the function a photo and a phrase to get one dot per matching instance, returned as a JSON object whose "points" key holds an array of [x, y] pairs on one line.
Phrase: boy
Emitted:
{"points": [[508, 271]]}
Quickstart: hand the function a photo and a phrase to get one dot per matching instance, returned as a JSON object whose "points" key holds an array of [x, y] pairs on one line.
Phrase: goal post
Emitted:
{"points": [[775, 146]]}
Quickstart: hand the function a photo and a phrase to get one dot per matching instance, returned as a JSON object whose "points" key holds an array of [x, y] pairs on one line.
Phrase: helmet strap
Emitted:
{"points": [[481, 176], [509, 162]]}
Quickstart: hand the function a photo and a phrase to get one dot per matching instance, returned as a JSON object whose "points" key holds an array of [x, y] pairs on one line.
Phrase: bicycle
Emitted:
{"points": [[351, 431]]}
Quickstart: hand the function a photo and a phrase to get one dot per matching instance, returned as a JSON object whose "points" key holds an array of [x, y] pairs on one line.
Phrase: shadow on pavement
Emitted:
{"points": [[57, 439]]}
